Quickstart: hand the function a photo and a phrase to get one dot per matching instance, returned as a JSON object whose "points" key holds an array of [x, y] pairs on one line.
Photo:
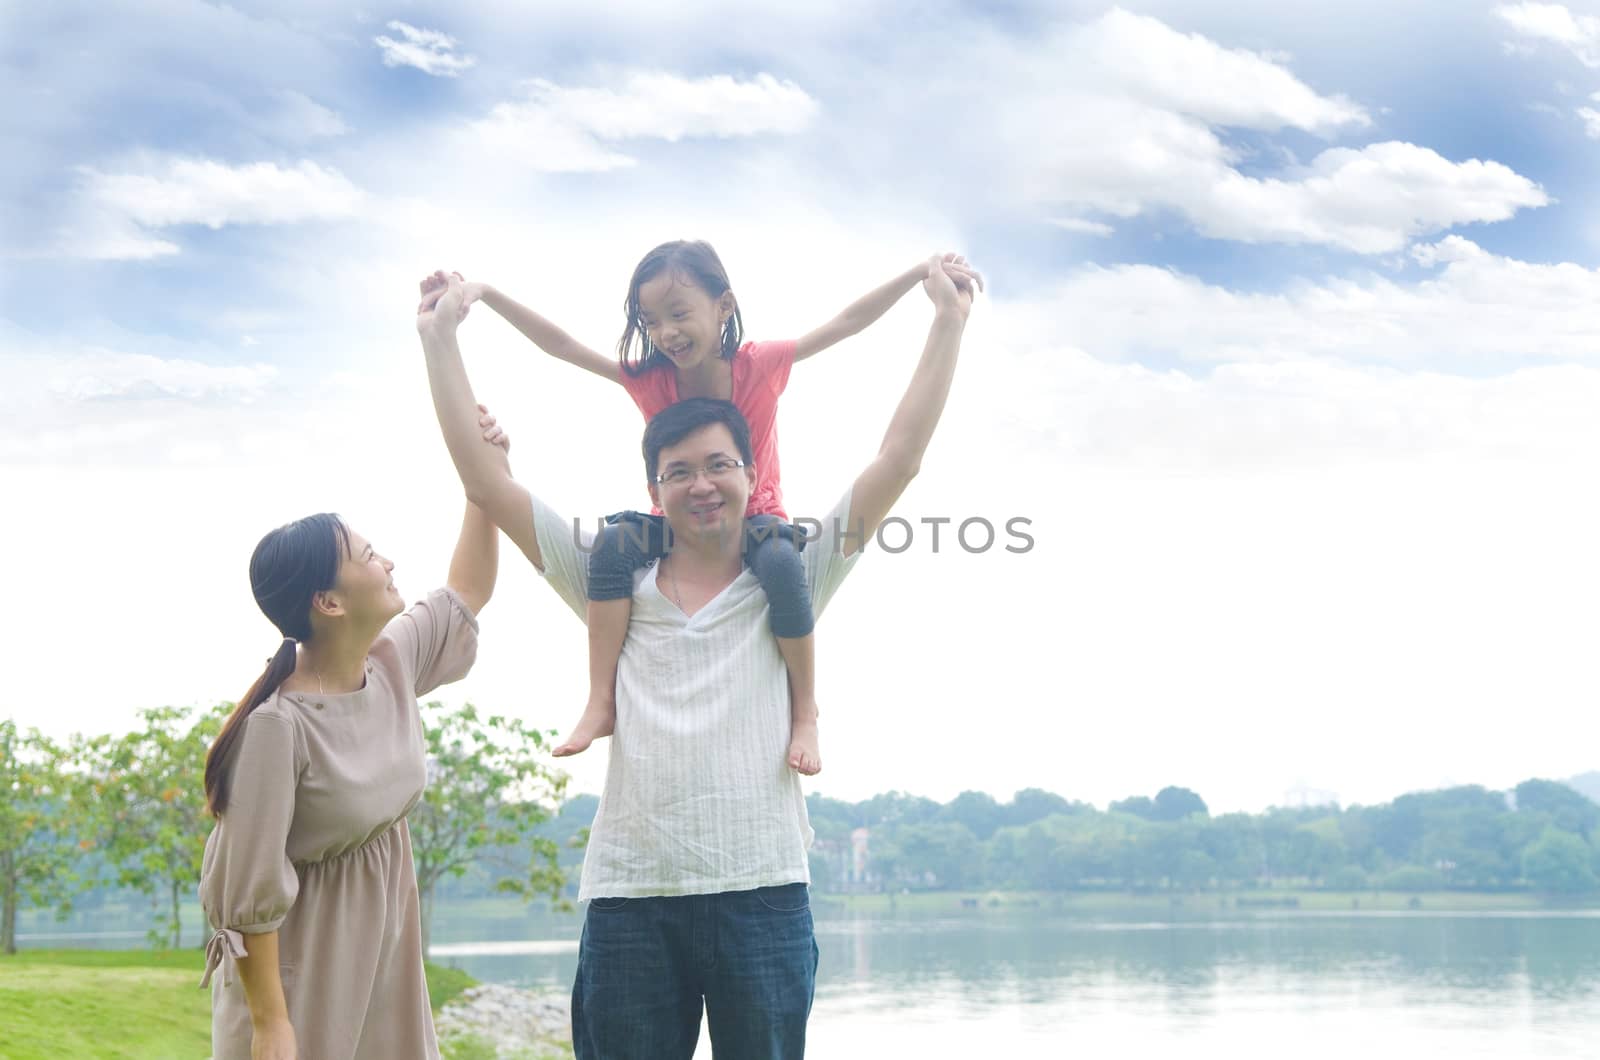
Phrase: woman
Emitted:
{"points": [[308, 879]]}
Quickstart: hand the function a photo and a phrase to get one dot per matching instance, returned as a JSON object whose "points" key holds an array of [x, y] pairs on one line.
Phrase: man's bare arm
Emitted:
{"points": [[484, 469], [899, 458]]}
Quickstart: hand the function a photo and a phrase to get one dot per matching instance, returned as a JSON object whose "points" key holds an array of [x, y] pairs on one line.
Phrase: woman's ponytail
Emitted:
{"points": [[279, 667], [289, 567]]}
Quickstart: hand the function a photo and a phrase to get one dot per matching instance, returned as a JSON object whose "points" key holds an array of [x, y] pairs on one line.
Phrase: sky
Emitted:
{"points": [[1289, 359]]}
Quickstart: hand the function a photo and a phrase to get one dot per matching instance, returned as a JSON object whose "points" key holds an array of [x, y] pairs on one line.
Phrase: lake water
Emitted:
{"points": [[996, 984], [984, 983]]}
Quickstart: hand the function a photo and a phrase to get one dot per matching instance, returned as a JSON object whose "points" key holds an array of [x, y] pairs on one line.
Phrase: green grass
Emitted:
{"points": [[192, 960], [126, 1003], [121, 1003], [445, 984]]}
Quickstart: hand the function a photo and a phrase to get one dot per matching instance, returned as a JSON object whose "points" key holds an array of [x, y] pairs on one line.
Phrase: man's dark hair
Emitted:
{"points": [[676, 422]]}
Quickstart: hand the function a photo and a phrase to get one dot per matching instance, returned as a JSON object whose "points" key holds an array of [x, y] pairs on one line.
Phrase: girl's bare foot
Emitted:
{"points": [[599, 719], [804, 756]]}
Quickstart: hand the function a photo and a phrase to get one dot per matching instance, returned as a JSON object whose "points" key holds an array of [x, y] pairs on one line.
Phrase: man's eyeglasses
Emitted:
{"points": [[682, 476]]}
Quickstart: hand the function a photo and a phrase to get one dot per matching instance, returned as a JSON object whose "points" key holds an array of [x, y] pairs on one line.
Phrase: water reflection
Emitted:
{"points": [[965, 983]]}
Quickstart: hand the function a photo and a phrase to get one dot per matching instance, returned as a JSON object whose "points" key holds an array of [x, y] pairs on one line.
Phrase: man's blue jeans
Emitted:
{"points": [[646, 964]]}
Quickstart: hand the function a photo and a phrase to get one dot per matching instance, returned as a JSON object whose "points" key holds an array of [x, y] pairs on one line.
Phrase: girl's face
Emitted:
{"points": [[682, 320]]}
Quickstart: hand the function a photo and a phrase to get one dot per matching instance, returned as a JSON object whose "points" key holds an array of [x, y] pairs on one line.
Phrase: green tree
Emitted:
{"points": [[146, 806], [1396, 828], [1234, 843], [895, 807], [1135, 805], [1559, 863], [38, 799], [1313, 850], [1567, 809], [1174, 804], [941, 854], [976, 811], [1035, 804], [490, 786]]}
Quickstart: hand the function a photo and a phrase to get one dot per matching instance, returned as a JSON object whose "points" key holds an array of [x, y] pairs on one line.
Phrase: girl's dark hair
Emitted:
{"points": [[289, 566], [694, 262]]}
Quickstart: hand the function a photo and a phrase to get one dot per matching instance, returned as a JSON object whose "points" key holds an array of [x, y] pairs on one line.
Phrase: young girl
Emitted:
{"points": [[684, 337], [307, 880]]}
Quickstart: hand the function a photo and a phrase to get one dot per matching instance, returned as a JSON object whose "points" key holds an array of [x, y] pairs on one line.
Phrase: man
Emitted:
{"points": [[696, 872]]}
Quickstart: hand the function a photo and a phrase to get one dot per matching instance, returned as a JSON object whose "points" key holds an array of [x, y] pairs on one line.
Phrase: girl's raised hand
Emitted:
{"points": [[956, 267], [952, 290], [436, 282], [440, 309], [471, 291]]}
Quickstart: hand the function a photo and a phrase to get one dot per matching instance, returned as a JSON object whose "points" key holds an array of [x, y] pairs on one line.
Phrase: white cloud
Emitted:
{"points": [[1078, 224], [565, 129], [1553, 23], [1305, 414], [1126, 159], [104, 405], [1129, 117], [1188, 74], [115, 209], [105, 374], [109, 238], [1591, 118], [432, 52], [1476, 309], [542, 141], [667, 107], [304, 118], [176, 191], [1448, 249], [1372, 200]]}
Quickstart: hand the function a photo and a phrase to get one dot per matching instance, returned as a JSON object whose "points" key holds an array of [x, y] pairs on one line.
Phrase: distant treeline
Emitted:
{"points": [[1539, 837], [98, 819]]}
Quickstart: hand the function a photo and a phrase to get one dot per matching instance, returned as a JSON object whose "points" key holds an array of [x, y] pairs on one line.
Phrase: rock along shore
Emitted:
{"points": [[518, 1023]]}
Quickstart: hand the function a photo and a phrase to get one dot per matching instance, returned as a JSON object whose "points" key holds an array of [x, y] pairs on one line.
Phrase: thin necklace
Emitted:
{"points": [[677, 596]]}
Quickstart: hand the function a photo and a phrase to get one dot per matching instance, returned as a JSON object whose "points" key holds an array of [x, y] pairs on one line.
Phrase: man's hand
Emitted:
{"points": [[442, 306], [952, 284]]}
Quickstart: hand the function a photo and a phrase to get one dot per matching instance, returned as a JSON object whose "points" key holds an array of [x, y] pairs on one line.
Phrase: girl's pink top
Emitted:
{"points": [[760, 374]]}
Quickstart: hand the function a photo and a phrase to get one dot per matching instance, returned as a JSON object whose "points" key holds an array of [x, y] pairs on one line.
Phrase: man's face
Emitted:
{"points": [[708, 504]]}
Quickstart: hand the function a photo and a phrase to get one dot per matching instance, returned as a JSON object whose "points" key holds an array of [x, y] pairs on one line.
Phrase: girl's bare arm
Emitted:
{"points": [[866, 310], [542, 333]]}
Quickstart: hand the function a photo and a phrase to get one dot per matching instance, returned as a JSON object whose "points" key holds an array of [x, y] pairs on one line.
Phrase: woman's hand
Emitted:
{"points": [[274, 1041], [493, 433]]}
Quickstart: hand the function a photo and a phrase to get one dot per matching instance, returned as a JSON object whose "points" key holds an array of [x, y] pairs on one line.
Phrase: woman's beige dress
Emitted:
{"points": [[314, 844]]}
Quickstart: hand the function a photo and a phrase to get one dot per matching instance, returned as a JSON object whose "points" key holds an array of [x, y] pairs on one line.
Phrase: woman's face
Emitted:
{"points": [[366, 584]]}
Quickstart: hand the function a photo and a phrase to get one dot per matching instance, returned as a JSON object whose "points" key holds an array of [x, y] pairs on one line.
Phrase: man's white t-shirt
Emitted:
{"points": [[698, 797]]}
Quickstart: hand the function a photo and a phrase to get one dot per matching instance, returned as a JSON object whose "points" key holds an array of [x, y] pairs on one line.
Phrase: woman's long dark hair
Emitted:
{"points": [[694, 261], [289, 566]]}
